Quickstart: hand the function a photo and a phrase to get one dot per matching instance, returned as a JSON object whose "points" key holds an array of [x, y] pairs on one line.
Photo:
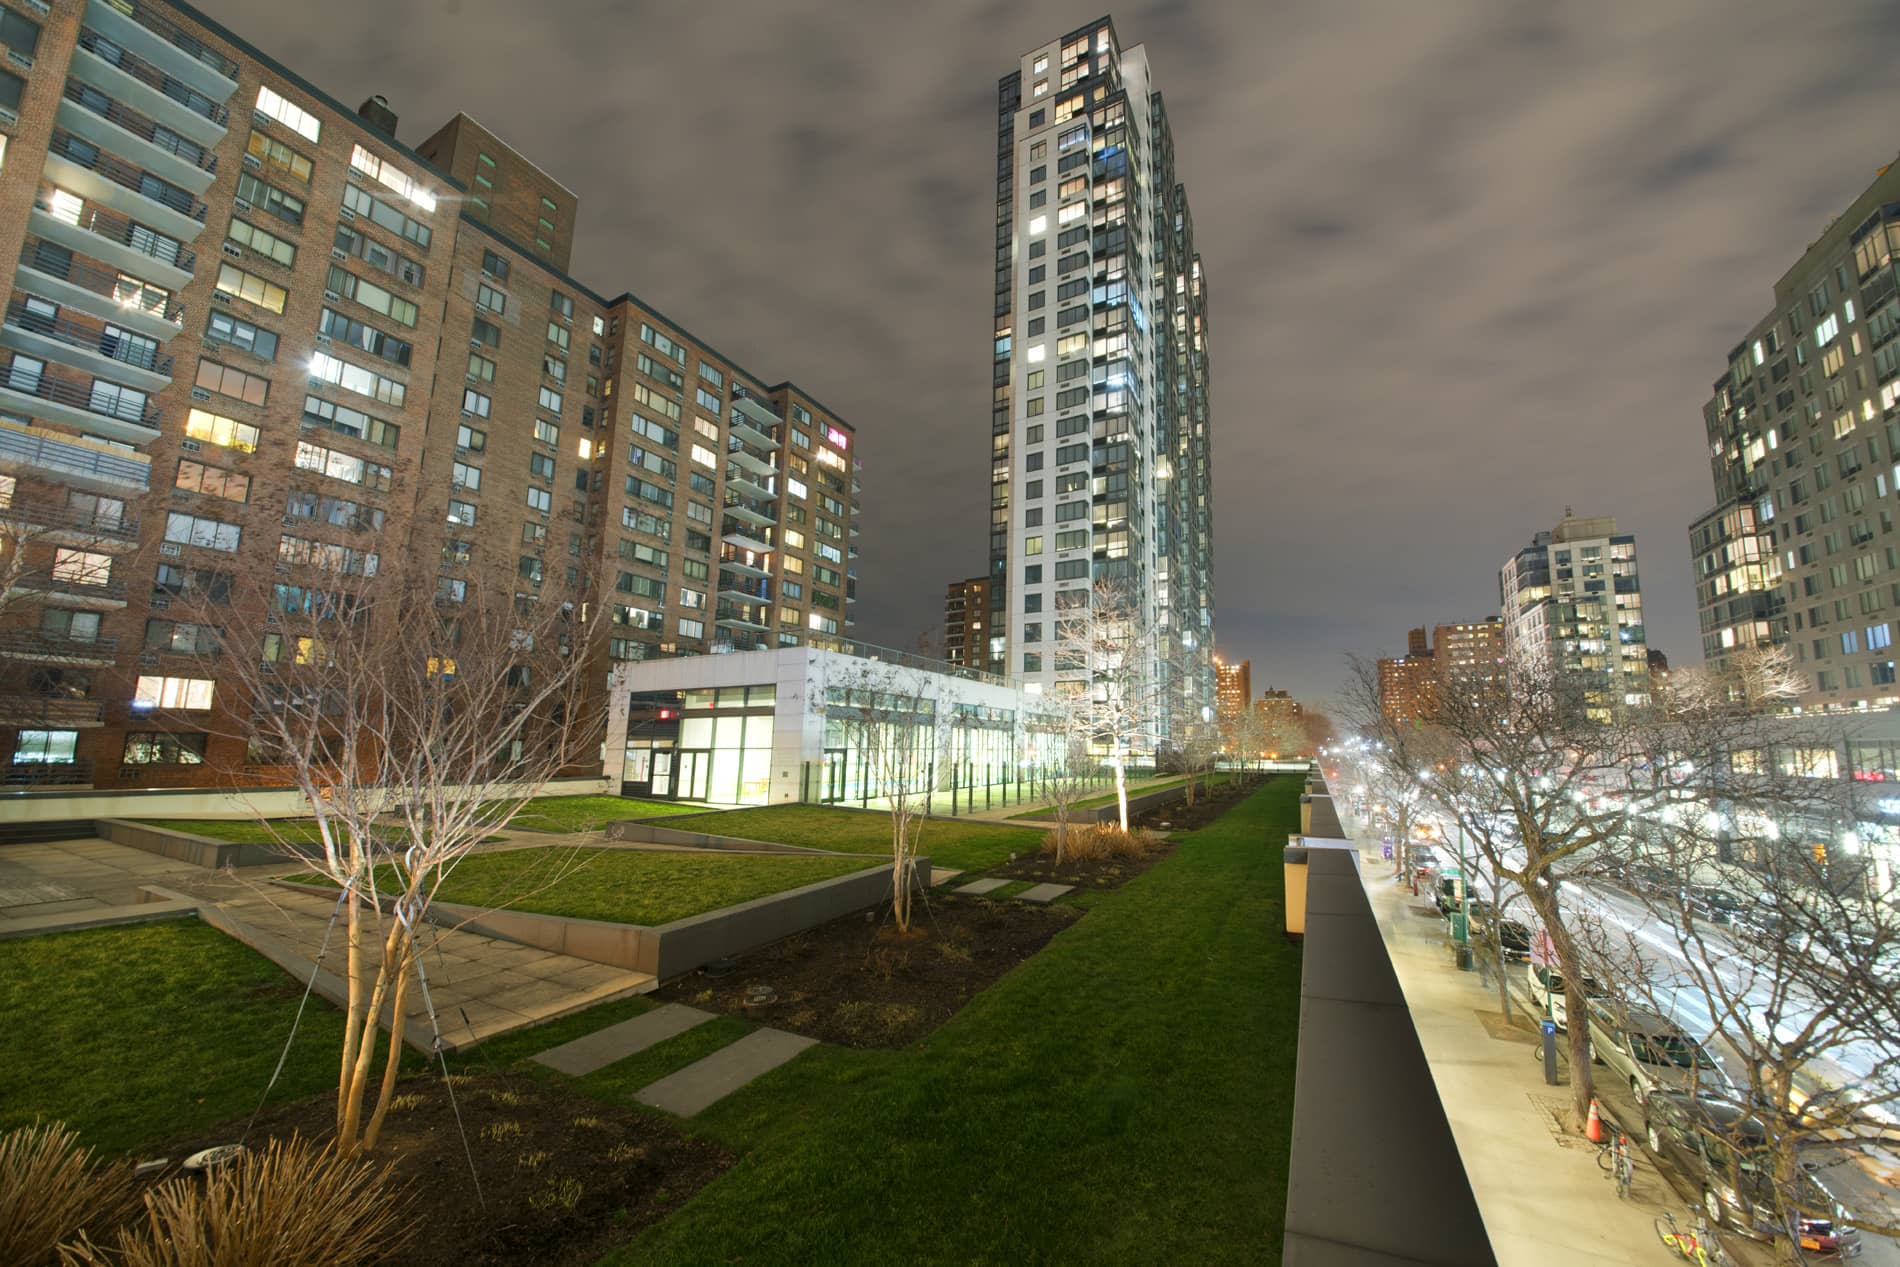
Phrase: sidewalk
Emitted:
{"points": [[1544, 1199]]}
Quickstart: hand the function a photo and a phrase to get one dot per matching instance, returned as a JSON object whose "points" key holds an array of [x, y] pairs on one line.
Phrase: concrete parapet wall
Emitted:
{"points": [[654, 834]]}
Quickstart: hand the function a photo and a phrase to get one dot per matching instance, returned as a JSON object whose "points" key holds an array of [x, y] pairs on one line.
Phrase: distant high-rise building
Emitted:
{"points": [[1406, 683], [966, 623], [1803, 427], [1469, 656], [1572, 599], [1099, 442], [1233, 689]]}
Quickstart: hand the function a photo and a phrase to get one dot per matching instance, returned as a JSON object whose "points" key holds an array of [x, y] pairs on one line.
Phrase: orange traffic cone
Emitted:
{"points": [[1593, 1129]]}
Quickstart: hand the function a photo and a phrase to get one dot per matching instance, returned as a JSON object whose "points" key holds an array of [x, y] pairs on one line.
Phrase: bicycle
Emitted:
{"points": [[1617, 1161], [1700, 1246]]}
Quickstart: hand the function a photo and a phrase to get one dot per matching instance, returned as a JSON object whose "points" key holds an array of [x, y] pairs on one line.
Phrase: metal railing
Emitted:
{"points": [[45, 385], [158, 24], [66, 519], [113, 227], [92, 338], [50, 710], [89, 98], [126, 175], [45, 773], [52, 451], [32, 643], [113, 591], [152, 300]]}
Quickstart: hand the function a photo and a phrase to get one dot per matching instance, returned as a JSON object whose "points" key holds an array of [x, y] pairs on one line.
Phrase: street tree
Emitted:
{"points": [[1105, 642], [414, 720]]}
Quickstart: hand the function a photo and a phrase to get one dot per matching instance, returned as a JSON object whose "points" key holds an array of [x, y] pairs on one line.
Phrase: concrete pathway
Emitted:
{"points": [[71, 876], [712, 1078], [1543, 1198], [977, 888], [481, 986], [630, 1037], [1043, 893]]}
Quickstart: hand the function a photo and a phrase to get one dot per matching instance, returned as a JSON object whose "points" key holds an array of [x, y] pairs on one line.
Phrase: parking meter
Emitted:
{"points": [[1549, 1030]]}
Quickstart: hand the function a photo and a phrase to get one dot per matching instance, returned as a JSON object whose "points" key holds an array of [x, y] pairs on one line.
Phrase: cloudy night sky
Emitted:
{"points": [[1468, 264]]}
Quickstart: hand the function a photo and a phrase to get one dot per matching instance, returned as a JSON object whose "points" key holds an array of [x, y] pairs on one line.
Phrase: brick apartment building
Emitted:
{"points": [[967, 625], [248, 323]]}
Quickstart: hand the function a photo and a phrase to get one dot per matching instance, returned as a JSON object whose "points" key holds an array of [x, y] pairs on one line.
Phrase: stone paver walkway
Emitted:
{"points": [[630, 1037], [977, 888], [712, 1078], [481, 986], [74, 876], [1044, 892]]}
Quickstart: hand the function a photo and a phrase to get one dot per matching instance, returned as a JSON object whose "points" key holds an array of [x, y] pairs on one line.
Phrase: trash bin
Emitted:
{"points": [[1294, 860]]}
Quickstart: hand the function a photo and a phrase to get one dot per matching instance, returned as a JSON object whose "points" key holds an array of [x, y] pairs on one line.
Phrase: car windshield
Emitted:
{"points": [[1669, 1049]]}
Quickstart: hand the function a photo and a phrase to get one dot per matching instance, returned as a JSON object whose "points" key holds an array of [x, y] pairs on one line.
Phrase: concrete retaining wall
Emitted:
{"points": [[670, 950], [1111, 812], [200, 850], [653, 834], [250, 803]]}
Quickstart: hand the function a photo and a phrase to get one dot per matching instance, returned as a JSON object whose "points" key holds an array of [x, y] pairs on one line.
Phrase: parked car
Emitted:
{"points": [[1648, 880], [1720, 1148], [1514, 936], [1650, 1052], [1718, 906], [1447, 888], [1549, 991]]}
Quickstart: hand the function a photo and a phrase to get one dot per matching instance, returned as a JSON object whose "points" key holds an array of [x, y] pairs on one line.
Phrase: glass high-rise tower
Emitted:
{"points": [[1099, 428]]}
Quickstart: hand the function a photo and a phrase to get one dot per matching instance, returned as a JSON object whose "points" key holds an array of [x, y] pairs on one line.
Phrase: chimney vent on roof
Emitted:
{"points": [[377, 114]]}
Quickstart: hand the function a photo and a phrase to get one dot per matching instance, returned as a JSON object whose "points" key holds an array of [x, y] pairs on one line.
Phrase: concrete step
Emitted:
{"points": [[712, 1078]]}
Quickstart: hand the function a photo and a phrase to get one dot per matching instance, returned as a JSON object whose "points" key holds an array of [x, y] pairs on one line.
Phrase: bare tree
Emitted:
{"points": [[1200, 748], [892, 720], [416, 720], [1245, 736], [1105, 640]]}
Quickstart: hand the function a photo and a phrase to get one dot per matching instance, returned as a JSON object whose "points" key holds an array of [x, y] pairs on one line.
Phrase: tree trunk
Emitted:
{"points": [[1576, 1006], [1121, 790], [392, 1064], [353, 1001]]}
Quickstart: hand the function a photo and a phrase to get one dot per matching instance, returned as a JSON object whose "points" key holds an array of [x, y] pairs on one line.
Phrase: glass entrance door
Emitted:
{"points": [[834, 774], [693, 768]]}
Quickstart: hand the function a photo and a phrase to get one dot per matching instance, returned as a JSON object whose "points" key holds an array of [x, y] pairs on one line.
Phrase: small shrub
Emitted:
{"points": [[295, 1204], [534, 1160], [587, 1121], [501, 1132], [1097, 841], [407, 1101], [49, 1190], [887, 962], [507, 1099], [561, 1195], [623, 1153], [877, 1022], [954, 951]]}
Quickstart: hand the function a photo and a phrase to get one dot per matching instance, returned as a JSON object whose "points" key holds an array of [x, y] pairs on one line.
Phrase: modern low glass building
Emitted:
{"points": [[808, 724]]}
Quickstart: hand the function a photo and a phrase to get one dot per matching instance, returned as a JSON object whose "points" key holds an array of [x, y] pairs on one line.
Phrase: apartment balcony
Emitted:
{"points": [[76, 163], [748, 483], [744, 562], [744, 588], [753, 419], [745, 538], [98, 406], [87, 112], [65, 526], [169, 100], [47, 773], [94, 346], [51, 712], [750, 456], [744, 509], [740, 616], [147, 33], [70, 221], [37, 646], [105, 596], [52, 273], [37, 453]]}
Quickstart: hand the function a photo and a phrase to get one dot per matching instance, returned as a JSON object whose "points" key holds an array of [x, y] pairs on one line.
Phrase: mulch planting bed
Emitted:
{"points": [[856, 982], [1208, 806], [564, 1178], [1095, 873]]}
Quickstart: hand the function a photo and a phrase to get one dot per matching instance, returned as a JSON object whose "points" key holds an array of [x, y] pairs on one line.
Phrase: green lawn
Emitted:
{"points": [[1123, 1096], [626, 886], [543, 813], [138, 1035], [965, 844]]}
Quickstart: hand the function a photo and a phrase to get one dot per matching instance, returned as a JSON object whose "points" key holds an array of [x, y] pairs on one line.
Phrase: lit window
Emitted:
{"points": [[1037, 353], [172, 692], [391, 177], [297, 120], [1039, 224]]}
